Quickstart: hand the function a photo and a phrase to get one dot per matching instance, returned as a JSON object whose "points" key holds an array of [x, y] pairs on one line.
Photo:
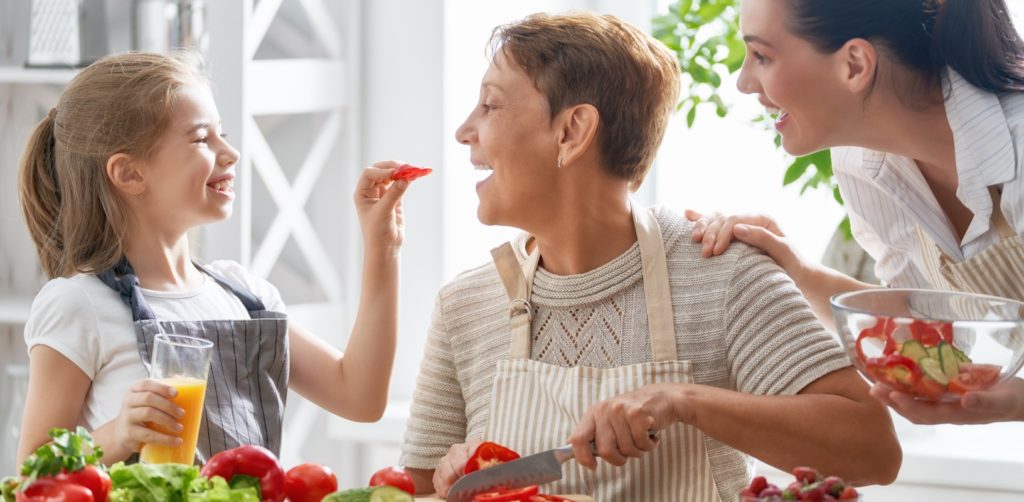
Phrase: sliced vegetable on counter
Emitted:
{"points": [[809, 485], [375, 494]]}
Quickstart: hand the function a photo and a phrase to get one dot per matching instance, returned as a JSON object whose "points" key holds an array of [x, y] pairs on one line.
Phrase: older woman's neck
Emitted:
{"points": [[584, 234]]}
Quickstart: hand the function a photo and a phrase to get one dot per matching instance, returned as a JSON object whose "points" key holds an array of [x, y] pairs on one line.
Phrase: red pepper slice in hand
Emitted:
{"points": [[514, 495], [882, 330], [488, 454], [252, 461], [410, 172], [899, 372], [54, 490]]}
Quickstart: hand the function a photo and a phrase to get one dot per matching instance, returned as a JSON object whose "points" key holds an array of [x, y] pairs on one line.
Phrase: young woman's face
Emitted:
{"points": [[189, 178], [791, 77], [510, 132]]}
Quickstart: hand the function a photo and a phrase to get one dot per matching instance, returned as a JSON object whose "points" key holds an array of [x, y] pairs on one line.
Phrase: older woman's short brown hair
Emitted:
{"points": [[631, 78]]}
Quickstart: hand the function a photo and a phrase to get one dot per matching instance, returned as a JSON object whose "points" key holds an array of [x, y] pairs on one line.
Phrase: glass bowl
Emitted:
{"points": [[934, 345]]}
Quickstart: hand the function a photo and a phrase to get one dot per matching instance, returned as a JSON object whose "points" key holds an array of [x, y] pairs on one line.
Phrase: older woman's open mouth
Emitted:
{"points": [[482, 167]]}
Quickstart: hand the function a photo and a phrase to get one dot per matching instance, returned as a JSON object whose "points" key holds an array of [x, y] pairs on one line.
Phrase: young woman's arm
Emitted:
{"points": [[355, 385]]}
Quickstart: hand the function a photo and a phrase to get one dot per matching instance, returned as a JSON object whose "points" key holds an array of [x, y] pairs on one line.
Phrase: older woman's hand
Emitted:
{"points": [[620, 427], [1002, 403], [451, 466]]}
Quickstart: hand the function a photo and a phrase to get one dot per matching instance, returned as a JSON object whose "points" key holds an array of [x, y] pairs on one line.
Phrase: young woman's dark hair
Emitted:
{"points": [[974, 37]]}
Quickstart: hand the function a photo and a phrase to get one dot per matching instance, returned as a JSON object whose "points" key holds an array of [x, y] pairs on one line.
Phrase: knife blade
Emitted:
{"points": [[536, 469]]}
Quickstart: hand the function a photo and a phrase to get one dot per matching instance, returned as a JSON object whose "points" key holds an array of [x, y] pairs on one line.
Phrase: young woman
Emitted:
{"points": [[131, 159], [922, 103]]}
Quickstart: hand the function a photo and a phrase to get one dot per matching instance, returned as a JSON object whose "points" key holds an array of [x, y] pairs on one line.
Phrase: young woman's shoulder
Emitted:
{"points": [[262, 288]]}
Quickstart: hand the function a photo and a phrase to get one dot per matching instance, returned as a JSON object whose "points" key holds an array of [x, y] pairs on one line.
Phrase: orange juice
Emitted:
{"points": [[191, 392]]}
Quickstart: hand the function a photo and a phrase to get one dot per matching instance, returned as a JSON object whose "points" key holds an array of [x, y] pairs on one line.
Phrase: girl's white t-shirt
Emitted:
{"points": [[87, 322]]}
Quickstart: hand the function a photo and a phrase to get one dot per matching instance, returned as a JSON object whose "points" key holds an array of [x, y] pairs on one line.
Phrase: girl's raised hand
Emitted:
{"points": [[148, 403], [378, 202]]}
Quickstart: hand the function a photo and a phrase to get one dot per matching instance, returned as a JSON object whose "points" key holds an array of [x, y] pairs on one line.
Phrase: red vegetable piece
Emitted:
{"points": [[512, 495], [899, 372], [882, 330], [974, 377], [757, 484], [849, 493], [489, 454], [394, 476], [54, 490], [806, 475], [926, 387], [310, 483], [927, 332], [254, 461], [95, 479], [410, 172]]}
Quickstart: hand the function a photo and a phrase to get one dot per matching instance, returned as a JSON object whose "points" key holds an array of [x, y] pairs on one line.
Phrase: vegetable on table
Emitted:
{"points": [[247, 465], [394, 476], [310, 482], [70, 461]]}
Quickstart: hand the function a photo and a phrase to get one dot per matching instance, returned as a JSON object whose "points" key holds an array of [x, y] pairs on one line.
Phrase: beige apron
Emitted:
{"points": [[536, 406], [996, 271]]}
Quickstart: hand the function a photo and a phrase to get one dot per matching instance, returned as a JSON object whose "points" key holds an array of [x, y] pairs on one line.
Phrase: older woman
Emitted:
{"points": [[602, 321]]}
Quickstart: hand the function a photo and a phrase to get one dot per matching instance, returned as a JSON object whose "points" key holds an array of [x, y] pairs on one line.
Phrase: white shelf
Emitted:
{"points": [[21, 75], [14, 309]]}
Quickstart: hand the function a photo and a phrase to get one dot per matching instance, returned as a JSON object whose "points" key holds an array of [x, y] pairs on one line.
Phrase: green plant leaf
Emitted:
{"points": [[796, 170], [844, 226], [691, 116]]}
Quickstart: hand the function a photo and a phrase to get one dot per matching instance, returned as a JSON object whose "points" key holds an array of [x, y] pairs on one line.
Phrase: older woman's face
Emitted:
{"points": [[510, 132]]}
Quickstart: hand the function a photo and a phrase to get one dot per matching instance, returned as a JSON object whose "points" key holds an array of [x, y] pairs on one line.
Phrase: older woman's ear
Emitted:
{"points": [[577, 131]]}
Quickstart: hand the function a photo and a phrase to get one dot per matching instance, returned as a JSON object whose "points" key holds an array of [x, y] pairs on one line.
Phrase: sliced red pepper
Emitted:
{"points": [[489, 454], [931, 333], [899, 372], [514, 495], [253, 461], [410, 172], [53, 490], [974, 377], [882, 330], [540, 497]]}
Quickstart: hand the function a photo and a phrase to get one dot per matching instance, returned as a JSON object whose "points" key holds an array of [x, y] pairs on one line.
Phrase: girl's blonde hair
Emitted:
{"points": [[119, 104]]}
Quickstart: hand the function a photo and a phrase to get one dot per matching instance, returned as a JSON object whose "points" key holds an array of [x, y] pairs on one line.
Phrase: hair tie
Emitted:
{"points": [[53, 113]]}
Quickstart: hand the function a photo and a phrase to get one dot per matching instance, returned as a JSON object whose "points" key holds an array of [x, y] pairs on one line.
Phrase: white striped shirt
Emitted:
{"points": [[887, 197]]}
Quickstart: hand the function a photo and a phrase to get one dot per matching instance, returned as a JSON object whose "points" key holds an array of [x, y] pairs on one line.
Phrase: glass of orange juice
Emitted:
{"points": [[183, 363]]}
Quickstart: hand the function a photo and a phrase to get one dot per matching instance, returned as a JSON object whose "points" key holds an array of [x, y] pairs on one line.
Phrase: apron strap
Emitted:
{"points": [[121, 278], [998, 219], [518, 288], [657, 294], [518, 281]]}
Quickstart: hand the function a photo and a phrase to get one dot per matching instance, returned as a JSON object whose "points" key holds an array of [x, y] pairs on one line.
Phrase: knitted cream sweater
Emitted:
{"points": [[739, 319]]}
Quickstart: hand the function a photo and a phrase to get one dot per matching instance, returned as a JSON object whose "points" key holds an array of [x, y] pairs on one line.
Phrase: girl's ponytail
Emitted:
{"points": [[39, 190], [978, 40]]}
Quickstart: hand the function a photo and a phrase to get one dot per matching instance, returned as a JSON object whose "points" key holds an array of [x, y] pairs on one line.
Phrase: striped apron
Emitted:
{"points": [[248, 380], [536, 406], [996, 271]]}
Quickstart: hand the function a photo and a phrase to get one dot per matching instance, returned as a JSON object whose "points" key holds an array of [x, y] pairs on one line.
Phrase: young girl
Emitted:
{"points": [[130, 159]]}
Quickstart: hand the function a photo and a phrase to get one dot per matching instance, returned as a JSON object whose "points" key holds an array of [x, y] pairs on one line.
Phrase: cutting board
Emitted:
{"points": [[578, 498]]}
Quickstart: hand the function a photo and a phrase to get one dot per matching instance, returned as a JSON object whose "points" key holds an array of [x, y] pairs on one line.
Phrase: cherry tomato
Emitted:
{"points": [[974, 377], [513, 495], [394, 476], [310, 483]]}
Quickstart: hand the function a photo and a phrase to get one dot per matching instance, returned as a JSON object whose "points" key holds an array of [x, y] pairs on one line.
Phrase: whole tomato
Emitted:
{"points": [[310, 483], [394, 476], [50, 490]]}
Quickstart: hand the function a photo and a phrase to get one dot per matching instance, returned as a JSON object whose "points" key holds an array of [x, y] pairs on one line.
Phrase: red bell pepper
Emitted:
{"points": [[254, 462], [410, 172], [899, 372], [54, 490], [489, 454], [512, 495], [882, 330]]}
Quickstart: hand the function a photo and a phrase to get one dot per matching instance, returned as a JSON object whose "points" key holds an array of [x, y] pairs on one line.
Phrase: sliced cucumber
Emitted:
{"points": [[933, 352], [914, 350], [960, 356], [389, 494], [950, 366], [933, 369]]}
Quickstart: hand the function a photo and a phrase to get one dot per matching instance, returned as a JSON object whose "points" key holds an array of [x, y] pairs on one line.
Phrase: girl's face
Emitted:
{"points": [[511, 133], [792, 78], [189, 177]]}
